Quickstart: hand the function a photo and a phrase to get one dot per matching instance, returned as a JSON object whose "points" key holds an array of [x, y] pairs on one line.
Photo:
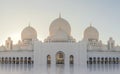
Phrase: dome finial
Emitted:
{"points": [[91, 24], [29, 24], [59, 15]]}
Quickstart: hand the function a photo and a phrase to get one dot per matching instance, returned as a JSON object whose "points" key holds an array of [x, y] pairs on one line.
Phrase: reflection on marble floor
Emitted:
{"points": [[16, 67], [59, 69], [103, 67]]}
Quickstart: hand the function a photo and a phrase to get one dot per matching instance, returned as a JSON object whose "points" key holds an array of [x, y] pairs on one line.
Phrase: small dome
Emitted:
{"points": [[59, 23], [91, 33], [28, 33]]}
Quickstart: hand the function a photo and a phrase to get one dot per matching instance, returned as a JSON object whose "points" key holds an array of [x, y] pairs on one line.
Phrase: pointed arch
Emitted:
{"points": [[48, 59], [71, 59], [60, 56]]}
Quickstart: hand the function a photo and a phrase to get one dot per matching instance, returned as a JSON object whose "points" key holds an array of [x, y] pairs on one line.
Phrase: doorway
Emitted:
{"points": [[60, 57]]}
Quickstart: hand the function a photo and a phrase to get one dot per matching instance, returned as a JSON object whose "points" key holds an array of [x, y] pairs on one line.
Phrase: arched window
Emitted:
{"points": [[25, 60], [48, 59], [6, 60], [17, 60], [90, 60], [117, 60], [102, 60], [3, 61], [114, 61], [9, 60], [94, 60], [13, 60], [0, 60], [98, 60], [71, 59], [29, 60], [21, 60], [106, 60], [110, 60]]}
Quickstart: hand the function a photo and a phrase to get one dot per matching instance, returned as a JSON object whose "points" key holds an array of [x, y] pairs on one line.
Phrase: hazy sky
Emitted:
{"points": [[15, 15]]}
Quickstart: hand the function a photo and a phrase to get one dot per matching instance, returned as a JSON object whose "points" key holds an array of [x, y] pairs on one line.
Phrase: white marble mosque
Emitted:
{"points": [[60, 47]]}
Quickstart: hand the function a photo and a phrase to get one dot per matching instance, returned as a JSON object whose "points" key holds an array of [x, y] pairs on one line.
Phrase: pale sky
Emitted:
{"points": [[15, 15]]}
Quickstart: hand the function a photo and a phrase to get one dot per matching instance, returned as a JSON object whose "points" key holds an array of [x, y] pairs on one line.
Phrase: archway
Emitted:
{"points": [[48, 59], [71, 59], [60, 57], [21, 60], [29, 60], [25, 60], [9, 60], [13, 60], [3, 61], [6, 60], [17, 60]]}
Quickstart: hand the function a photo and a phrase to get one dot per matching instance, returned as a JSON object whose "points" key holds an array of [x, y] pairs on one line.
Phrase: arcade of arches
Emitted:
{"points": [[60, 58], [16, 60]]}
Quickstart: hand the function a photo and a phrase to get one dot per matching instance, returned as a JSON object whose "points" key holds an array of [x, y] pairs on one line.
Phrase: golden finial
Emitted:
{"points": [[59, 15], [91, 24], [29, 24]]}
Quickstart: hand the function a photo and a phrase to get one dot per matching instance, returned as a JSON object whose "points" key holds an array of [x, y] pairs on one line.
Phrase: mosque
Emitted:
{"points": [[60, 47]]}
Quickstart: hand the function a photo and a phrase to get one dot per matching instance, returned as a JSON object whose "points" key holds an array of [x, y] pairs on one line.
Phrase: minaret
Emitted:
{"points": [[9, 43], [111, 43]]}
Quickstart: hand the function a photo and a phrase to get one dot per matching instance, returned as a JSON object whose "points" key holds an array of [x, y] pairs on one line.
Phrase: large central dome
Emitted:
{"points": [[60, 23], [60, 31]]}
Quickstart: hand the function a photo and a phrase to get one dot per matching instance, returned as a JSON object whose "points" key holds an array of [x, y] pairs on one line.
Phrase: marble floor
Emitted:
{"points": [[60, 69]]}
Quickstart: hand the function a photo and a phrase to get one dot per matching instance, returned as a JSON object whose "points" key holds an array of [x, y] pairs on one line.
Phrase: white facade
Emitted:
{"points": [[60, 47], [78, 50]]}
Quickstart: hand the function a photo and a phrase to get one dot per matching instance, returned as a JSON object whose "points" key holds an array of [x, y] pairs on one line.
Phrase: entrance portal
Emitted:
{"points": [[60, 57]]}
